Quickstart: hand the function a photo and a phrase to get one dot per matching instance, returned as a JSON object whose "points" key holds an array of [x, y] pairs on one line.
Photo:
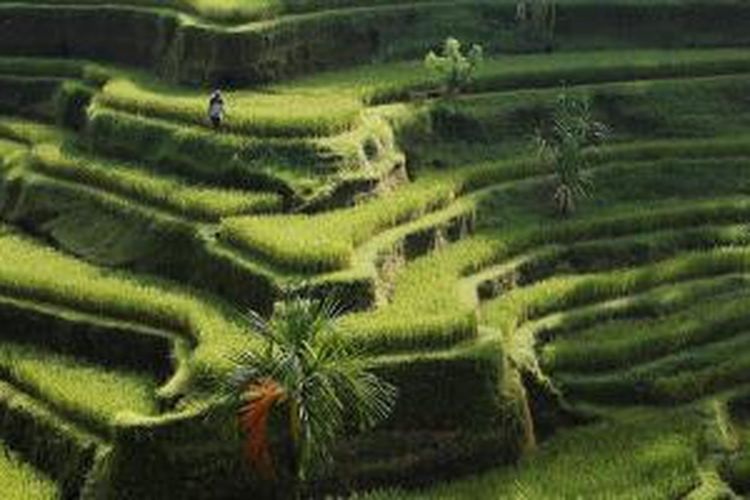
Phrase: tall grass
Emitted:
{"points": [[564, 292], [429, 305], [623, 343], [324, 242], [166, 192], [94, 394], [249, 113], [29, 270], [28, 132], [679, 378], [22, 66], [9, 150], [426, 307], [393, 81], [663, 300], [328, 241], [641, 454], [20, 481]]}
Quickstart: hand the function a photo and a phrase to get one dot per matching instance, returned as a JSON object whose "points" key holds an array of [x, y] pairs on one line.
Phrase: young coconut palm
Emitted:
{"points": [[573, 129], [313, 382]]}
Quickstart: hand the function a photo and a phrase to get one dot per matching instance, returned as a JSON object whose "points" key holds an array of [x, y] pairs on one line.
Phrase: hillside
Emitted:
{"points": [[599, 354]]}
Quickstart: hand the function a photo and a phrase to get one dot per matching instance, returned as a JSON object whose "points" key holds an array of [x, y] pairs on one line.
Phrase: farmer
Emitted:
{"points": [[216, 109]]}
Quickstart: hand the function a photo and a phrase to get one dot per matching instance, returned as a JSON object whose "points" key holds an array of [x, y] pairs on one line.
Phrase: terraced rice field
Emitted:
{"points": [[600, 355]]}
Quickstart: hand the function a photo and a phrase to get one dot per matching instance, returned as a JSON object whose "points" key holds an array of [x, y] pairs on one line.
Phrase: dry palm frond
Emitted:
{"points": [[261, 397]]}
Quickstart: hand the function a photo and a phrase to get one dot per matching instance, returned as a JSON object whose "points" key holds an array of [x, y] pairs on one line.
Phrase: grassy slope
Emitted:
{"points": [[28, 269], [636, 197], [19, 481], [641, 454], [92, 393], [201, 202]]}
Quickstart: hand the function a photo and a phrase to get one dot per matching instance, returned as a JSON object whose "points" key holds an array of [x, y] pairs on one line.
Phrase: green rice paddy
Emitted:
{"points": [[600, 355]]}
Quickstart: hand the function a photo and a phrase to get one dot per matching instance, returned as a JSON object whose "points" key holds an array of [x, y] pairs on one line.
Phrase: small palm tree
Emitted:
{"points": [[316, 384], [563, 145], [455, 68]]}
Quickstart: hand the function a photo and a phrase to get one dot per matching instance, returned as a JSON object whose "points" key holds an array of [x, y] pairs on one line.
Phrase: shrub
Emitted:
{"points": [[455, 68]]}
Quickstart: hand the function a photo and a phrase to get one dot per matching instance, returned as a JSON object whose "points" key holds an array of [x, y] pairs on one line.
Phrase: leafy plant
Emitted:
{"points": [[455, 68], [562, 145], [308, 379]]}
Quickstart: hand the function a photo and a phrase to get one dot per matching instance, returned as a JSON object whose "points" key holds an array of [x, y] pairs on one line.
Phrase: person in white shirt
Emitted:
{"points": [[216, 109]]}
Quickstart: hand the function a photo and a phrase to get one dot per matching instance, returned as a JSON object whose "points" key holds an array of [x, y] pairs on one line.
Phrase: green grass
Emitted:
{"points": [[681, 186], [675, 379], [429, 306], [20, 481], [328, 241], [640, 454], [92, 393], [28, 132], [300, 165], [619, 344], [658, 302], [387, 82], [268, 114], [642, 109], [426, 308], [563, 292], [9, 150], [324, 242], [197, 201], [29, 270]]}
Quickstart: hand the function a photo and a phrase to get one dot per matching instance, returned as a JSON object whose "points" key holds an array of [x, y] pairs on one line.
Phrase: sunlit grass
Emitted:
{"points": [[390, 81], [93, 393], [20, 481], [170, 193], [256, 113], [327, 241], [29, 270], [619, 344]]}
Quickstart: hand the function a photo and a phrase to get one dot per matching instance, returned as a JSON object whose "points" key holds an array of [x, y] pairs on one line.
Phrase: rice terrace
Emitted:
{"points": [[383, 250]]}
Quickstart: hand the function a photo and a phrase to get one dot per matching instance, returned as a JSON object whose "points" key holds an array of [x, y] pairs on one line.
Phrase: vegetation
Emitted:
{"points": [[133, 234], [536, 19], [19, 481], [641, 456], [77, 387], [307, 371], [170, 193], [572, 129], [456, 68]]}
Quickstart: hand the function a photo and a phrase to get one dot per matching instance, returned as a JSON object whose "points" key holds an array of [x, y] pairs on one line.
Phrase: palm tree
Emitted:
{"points": [[563, 145], [308, 378]]}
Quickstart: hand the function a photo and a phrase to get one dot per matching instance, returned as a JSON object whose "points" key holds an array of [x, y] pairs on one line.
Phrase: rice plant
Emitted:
{"points": [[324, 242], [640, 454], [93, 394], [171, 193], [248, 113], [20, 481]]}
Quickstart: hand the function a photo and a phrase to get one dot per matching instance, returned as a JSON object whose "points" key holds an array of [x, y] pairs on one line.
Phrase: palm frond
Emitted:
{"points": [[261, 398], [325, 382]]}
